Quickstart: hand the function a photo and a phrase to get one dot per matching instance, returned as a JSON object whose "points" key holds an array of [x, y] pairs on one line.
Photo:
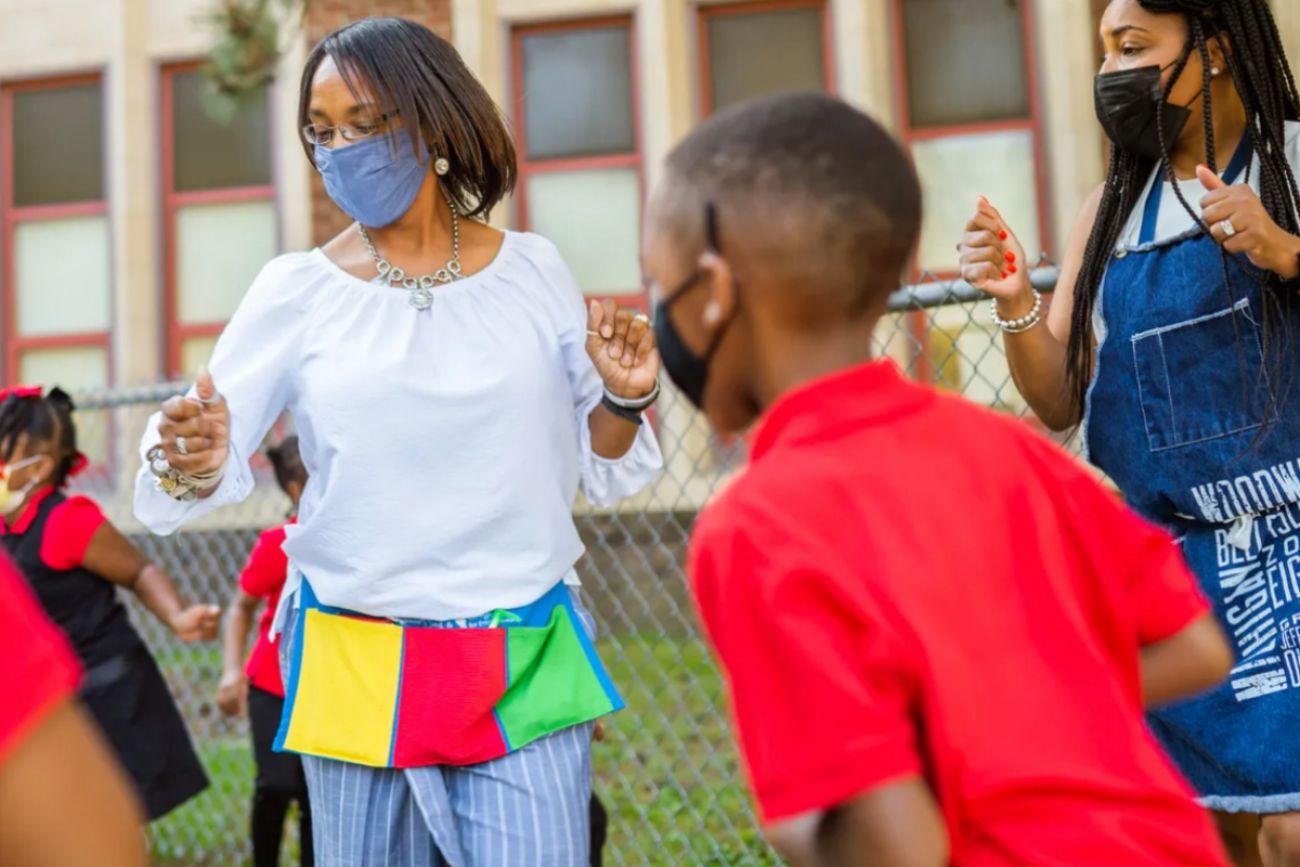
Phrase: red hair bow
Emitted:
{"points": [[21, 391], [79, 464]]}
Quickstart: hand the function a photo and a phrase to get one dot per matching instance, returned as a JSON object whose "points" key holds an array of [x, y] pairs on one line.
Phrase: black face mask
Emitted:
{"points": [[1130, 104], [688, 371]]}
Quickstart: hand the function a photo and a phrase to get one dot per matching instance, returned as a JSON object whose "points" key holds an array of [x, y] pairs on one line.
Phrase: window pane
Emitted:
{"points": [[195, 352], [219, 250], [759, 53], [58, 141], [211, 153], [957, 170], [63, 272], [965, 61], [578, 93], [74, 369], [593, 217]]}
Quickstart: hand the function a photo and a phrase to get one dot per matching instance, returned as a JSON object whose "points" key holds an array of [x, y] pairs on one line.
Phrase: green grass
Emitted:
{"points": [[666, 770]]}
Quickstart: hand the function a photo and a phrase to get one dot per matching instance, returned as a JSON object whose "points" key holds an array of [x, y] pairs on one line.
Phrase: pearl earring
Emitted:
{"points": [[441, 166], [1214, 71]]}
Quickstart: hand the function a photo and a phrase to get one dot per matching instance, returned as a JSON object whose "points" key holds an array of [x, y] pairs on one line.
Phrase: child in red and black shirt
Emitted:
{"points": [[75, 561], [257, 687], [938, 630]]}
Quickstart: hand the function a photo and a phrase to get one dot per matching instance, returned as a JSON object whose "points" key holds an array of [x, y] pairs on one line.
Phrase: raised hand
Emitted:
{"points": [[991, 258], [196, 430], [1238, 220], [621, 345]]}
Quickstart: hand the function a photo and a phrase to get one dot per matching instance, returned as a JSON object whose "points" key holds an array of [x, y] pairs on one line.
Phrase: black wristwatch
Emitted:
{"points": [[629, 409], [632, 415]]}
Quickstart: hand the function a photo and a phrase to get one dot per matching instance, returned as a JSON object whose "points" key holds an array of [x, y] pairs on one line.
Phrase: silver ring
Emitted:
{"points": [[642, 317], [1228, 229], [591, 333], [181, 447]]}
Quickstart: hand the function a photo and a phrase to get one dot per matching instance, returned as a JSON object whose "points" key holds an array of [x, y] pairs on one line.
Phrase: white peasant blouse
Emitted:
{"points": [[445, 446]]}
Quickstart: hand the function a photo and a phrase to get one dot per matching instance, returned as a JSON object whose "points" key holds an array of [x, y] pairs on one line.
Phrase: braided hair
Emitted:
{"points": [[1267, 87], [45, 419]]}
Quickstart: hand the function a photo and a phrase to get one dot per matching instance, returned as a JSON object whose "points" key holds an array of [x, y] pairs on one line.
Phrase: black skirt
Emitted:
{"points": [[129, 699]]}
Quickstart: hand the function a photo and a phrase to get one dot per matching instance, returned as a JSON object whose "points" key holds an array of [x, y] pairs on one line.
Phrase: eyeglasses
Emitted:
{"points": [[316, 134]]}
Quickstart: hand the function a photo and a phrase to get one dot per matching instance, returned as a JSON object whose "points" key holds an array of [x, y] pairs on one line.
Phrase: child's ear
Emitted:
{"points": [[719, 287]]}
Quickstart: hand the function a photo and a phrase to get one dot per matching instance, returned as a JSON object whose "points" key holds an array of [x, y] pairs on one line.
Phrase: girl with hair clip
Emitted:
{"points": [[1171, 342], [75, 560]]}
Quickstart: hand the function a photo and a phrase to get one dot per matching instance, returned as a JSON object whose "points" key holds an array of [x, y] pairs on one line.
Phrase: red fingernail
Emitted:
{"points": [[1004, 275], [1002, 235], [1011, 257], [1012, 269]]}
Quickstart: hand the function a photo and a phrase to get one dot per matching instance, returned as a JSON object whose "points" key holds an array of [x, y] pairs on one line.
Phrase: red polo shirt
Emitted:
{"points": [[903, 584], [263, 578], [37, 667]]}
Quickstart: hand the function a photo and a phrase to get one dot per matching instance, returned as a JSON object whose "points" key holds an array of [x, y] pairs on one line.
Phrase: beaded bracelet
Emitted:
{"points": [[177, 485], [1024, 323]]}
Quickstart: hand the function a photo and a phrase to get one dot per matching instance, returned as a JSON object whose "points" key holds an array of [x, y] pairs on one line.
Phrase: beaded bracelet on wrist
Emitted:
{"points": [[1024, 323]]}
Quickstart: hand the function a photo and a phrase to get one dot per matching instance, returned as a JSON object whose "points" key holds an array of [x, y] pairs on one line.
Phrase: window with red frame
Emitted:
{"points": [[56, 282], [579, 141], [757, 48], [220, 223], [968, 105]]}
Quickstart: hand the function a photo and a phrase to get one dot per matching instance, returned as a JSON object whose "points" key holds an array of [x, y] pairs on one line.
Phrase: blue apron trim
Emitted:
{"points": [[306, 599], [1151, 213]]}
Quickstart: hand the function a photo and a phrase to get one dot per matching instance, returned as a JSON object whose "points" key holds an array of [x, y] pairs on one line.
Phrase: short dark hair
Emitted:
{"points": [[826, 193], [286, 460], [406, 67]]}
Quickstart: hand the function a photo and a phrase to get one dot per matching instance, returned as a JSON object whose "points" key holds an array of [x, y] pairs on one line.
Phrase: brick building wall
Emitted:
{"points": [[326, 16]]}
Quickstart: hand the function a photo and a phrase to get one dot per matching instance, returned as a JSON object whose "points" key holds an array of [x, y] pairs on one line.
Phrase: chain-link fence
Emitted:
{"points": [[667, 770]]}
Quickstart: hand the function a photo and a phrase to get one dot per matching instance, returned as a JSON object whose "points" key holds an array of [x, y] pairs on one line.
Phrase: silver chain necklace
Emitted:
{"points": [[420, 288]]}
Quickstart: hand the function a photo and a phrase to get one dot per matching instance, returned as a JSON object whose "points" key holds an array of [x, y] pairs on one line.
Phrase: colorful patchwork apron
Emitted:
{"points": [[388, 694]]}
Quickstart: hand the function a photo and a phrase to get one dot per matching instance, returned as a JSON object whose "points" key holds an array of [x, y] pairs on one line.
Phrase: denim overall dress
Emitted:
{"points": [[1175, 416]]}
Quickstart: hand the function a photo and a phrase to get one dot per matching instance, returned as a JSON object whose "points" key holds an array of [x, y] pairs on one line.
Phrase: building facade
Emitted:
{"points": [[132, 221]]}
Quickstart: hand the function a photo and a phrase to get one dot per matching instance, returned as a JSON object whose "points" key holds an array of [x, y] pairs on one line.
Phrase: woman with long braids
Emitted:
{"points": [[451, 389], [1171, 341]]}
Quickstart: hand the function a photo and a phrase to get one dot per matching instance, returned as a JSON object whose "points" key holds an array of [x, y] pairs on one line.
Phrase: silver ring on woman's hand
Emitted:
{"points": [[1228, 229], [641, 317], [181, 447]]}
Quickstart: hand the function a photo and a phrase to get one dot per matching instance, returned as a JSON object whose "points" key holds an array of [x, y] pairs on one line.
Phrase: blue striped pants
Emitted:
{"points": [[526, 809]]}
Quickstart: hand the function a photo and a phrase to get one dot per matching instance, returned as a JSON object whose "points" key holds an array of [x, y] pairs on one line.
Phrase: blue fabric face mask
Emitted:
{"points": [[375, 180]]}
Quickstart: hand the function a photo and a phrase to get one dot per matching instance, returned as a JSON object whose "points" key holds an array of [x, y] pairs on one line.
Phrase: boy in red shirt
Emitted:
{"points": [[938, 630], [256, 688]]}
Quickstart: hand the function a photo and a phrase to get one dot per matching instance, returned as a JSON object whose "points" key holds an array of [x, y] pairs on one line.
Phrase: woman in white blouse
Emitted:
{"points": [[446, 421]]}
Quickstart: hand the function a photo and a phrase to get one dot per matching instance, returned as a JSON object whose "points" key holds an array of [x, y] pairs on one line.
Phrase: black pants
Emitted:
{"points": [[599, 827], [280, 782]]}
